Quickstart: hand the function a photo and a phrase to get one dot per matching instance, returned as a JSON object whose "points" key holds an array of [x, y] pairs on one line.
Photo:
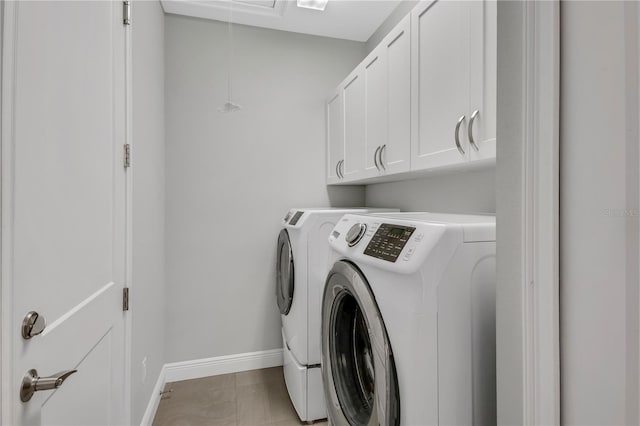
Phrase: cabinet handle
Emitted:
{"points": [[380, 157], [342, 169], [471, 120], [375, 158], [337, 171], [457, 135]]}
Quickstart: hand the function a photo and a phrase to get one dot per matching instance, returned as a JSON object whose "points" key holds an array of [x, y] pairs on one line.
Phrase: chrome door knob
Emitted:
{"points": [[355, 234], [32, 383], [32, 325]]}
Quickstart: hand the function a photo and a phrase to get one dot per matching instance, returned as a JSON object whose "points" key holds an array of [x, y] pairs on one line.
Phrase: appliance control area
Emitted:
{"points": [[389, 241], [393, 244]]}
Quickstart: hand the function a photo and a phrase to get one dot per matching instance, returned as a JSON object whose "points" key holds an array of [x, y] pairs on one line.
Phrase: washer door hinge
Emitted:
{"points": [[126, 12], [127, 155], [125, 299]]}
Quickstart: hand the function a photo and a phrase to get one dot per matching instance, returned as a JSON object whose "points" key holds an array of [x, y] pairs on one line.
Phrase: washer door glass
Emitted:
{"points": [[361, 385], [352, 360], [284, 273]]}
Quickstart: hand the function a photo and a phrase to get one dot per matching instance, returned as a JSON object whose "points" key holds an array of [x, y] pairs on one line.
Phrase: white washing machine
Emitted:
{"points": [[408, 320], [302, 266]]}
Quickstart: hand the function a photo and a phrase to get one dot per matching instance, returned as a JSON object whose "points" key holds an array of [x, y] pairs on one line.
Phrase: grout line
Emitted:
{"points": [[235, 393]]}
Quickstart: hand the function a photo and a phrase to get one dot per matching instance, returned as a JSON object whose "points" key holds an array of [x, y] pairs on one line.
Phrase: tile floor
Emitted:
{"points": [[257, 397]]}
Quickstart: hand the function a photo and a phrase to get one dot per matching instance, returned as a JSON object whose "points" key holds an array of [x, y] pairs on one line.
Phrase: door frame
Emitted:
{"points": [[128, 221], [527, 177], [8, 19]]}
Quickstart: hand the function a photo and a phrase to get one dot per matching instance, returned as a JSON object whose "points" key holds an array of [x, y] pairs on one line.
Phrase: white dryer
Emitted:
{"points": [[408, 320], [302, 266]]}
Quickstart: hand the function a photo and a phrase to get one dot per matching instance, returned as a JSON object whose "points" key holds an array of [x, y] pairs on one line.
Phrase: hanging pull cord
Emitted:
{"points": [[229, 106]]}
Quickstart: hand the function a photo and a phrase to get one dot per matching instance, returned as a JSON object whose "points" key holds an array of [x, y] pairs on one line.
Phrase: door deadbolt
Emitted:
{"points": [[32, 325], [32, 383]]}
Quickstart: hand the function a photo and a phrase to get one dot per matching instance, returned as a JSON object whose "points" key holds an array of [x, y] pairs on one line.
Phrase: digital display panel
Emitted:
{"points": [[296, 217], [396, 232], [388, 241]]}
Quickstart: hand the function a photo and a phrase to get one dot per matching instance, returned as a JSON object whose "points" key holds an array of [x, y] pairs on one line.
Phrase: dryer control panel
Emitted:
{"points": [[389, 241], [402, 242]]}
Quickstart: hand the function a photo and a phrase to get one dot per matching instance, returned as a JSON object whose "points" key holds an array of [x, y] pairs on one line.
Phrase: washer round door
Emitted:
{"points": [[284, 273], [358, 370]]}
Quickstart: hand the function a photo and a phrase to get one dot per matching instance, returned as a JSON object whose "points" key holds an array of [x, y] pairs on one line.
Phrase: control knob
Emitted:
{"points": [[355, 234]]}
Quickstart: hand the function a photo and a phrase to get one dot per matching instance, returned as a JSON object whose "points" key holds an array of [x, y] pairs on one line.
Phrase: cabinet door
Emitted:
{"points": [[354, 127], [396, 154], [441, 79], [335, 136], [483, 22], [375, 73]]}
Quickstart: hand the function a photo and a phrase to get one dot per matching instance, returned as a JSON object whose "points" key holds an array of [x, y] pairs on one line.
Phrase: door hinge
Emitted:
{"points": [[125, 299], [126, 12], [127, 155]]}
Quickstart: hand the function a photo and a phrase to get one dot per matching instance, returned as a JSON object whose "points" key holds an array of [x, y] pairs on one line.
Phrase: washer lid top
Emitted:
{"points": [[296, 217], [475, 227]]}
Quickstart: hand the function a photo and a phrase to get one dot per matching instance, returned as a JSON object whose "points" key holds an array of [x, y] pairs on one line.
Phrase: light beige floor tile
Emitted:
{"points": [[207, 401], [215, 414], [221, 381], [264, 403], [265, 375], [200, 392], [297, 422], [257, 397]]}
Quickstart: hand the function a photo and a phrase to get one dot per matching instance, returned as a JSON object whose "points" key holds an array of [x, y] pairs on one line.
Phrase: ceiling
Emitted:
{"points": [[346, 19]]}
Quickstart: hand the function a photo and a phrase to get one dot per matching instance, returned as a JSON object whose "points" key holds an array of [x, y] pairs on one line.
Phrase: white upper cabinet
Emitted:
{"points": [[376, 98], [424, 98], [375, 72], [454, 63], [335, 137], [387, 80], [441, 48], [395, 152], [353, 93], [484, 44]]}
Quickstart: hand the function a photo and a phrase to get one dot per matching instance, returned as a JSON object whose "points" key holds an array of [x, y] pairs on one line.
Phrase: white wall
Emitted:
{"points": [[460, 192], [148, 286], [232, 177], [599, 213]]}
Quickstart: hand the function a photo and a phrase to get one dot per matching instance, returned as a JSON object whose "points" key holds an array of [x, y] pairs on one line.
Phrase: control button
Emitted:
{"points": [[408, 254], [355, 234], [419, 237]]}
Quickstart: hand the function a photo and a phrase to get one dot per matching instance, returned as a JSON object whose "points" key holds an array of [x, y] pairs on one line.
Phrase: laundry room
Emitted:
{"points": [[343, 212]]}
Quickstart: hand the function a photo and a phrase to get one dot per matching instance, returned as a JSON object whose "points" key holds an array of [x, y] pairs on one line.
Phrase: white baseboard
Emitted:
{"points": [[197, 368], [152, 406], [205, 367]]}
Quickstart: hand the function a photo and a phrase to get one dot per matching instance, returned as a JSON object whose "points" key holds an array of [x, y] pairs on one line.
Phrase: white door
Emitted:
{"points": [[483, 54], [441, 55], [396, 153], [63, 209], [375, 75], [354, 126], [335, 136]]}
